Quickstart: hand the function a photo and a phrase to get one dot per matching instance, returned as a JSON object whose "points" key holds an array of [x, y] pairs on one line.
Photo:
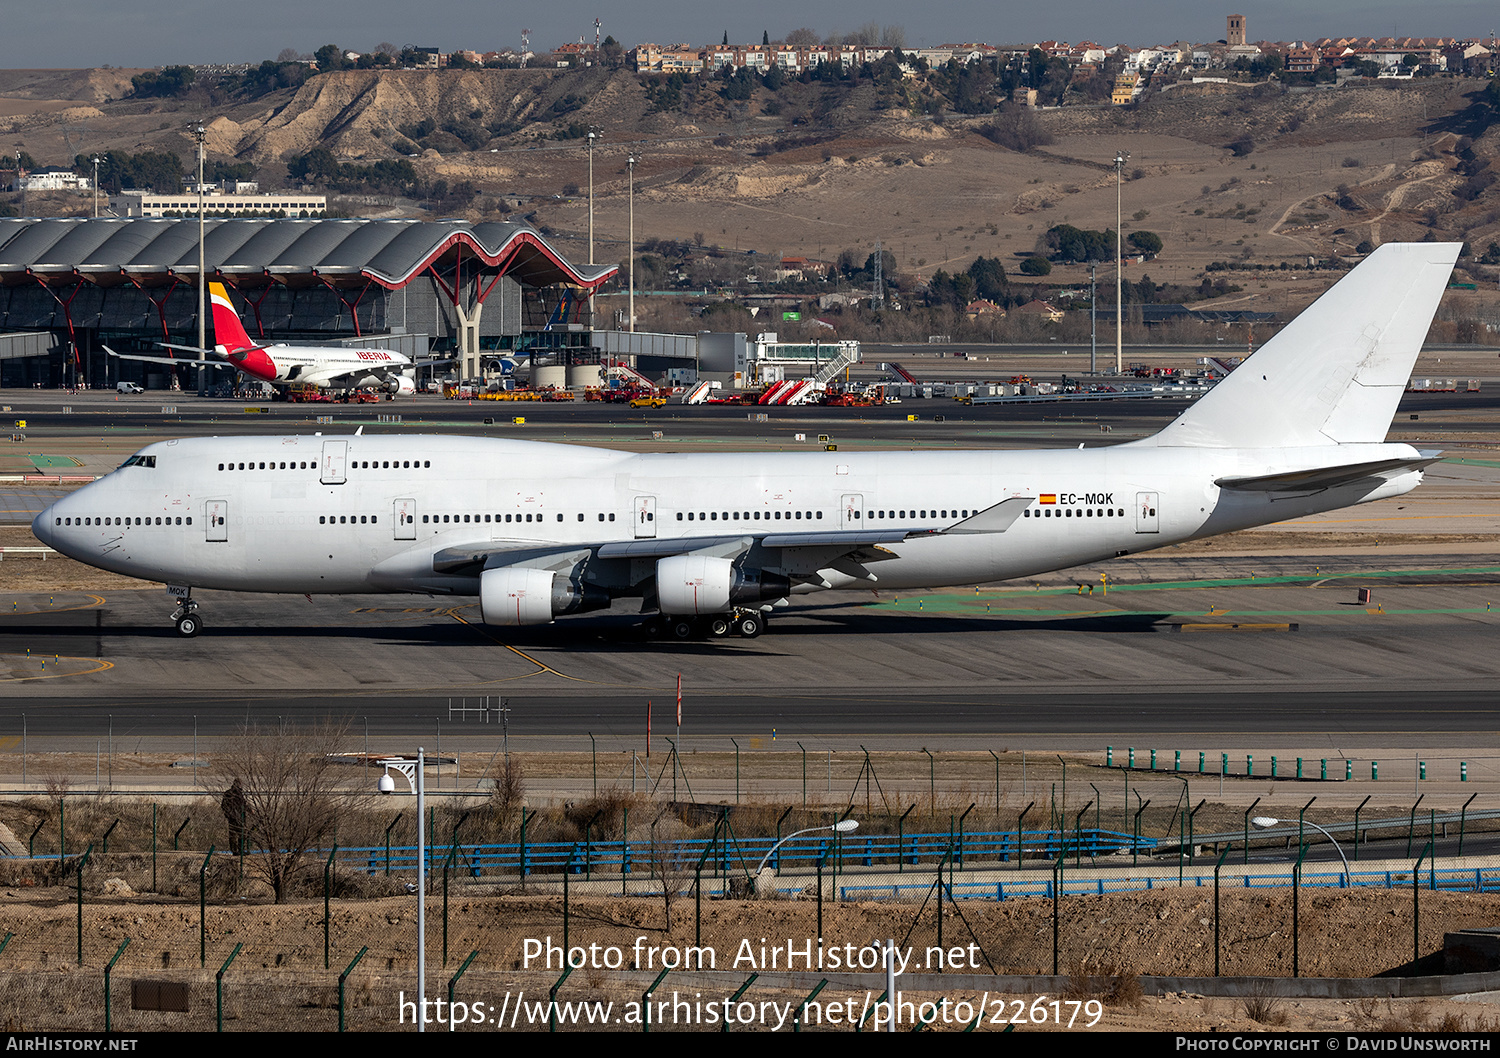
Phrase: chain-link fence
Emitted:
{"points": [[1140, 874]]}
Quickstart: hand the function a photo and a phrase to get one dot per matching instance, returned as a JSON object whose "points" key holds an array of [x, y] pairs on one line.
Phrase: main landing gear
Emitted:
{"points": [[186, 618], [746, 624]]}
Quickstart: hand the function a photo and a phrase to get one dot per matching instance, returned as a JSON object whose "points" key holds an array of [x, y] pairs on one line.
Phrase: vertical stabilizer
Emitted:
{"points": [[229, 333], [1335, 374]]}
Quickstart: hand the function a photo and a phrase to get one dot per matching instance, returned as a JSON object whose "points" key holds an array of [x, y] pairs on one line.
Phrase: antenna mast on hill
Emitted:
{"points": [[525, 46], [597, 24], [878, 296]]}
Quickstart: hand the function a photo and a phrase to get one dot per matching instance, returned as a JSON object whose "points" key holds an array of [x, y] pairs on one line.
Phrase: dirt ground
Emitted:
{"points": [[1106, 944]]}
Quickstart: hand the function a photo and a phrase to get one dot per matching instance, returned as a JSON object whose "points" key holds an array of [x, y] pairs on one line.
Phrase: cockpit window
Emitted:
{"points": [[140, 461]]}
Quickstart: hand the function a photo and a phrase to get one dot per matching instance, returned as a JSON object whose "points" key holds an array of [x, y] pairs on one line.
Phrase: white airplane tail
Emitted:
{"points": [[1335, 374]]}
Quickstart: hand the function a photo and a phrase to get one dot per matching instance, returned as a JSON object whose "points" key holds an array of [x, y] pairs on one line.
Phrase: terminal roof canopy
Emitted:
{"points": [[250, 253]]}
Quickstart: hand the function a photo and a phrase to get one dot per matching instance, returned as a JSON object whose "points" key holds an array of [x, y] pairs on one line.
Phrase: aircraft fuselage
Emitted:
{"points": [[355, 514]]}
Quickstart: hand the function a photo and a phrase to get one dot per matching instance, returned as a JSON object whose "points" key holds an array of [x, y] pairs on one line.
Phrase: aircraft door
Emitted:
{"points": [[853, 512], [335, 456], [216, 520], [1146, 518], [405, 519], [645, 517]]}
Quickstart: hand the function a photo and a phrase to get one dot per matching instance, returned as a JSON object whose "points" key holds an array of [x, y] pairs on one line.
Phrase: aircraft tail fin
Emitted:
{"points": [[229, 333], [1335, 374]]}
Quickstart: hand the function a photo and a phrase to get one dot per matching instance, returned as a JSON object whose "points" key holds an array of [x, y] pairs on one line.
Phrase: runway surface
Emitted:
{"points": [[1190, 646]]}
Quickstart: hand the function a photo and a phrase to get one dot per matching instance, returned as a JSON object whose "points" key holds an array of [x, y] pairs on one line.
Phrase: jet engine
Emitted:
{"points": [[698, 584], [517, 595], [401, 385]]}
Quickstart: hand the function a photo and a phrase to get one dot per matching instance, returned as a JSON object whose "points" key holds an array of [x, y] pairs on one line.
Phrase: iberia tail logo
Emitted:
{"points": [[229, 333]]}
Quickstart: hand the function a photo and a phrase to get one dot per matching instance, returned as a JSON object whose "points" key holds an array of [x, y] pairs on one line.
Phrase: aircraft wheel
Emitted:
{"points": [[189, 625], [751, 626], [653, 627], [682, 628], [719, 626]]}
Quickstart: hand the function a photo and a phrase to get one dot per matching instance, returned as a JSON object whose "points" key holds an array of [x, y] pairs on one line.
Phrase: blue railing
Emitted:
{"points": [[1459, 880], [611, 857]]}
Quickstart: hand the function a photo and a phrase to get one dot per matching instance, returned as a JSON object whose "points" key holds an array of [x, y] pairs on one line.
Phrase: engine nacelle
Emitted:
{"points": [[518, 595], [698, 584], [401, 385], [515, 595]]}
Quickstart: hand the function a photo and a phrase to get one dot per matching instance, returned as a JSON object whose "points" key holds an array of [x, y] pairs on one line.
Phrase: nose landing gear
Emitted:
{"points": [[186, 618]]}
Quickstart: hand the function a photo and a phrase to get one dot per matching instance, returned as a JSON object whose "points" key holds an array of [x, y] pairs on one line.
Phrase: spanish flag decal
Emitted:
{"points": [[1047, 497]]}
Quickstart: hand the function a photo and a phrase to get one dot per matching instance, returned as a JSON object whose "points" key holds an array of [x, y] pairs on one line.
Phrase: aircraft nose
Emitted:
{"points": [[41, 526]]}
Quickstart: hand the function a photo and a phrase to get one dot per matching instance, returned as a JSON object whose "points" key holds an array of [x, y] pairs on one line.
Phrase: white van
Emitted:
{"points": [[129, 387]]}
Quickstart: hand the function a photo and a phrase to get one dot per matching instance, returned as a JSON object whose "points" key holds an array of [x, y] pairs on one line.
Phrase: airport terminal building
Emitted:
{"points": [[68, 287]]}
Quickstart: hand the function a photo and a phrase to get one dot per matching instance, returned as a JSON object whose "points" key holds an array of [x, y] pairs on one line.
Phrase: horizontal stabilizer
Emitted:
{"points": [[1324, 477]]}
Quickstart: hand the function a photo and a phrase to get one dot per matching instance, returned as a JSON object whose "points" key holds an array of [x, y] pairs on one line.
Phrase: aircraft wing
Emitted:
{"points": [[1325, 477], [863, 545], [174, 361]]}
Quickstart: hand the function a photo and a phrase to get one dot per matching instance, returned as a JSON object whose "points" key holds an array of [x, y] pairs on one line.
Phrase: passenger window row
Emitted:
{"points": [[123, 521], [749, 516], [364, 464], [450, 518], [347, 519], [270, 465], [1069, 512], [917, 514]]}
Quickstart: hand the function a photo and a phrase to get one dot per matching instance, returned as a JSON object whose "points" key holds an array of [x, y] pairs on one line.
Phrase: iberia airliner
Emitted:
{"points": [[324, 367]]}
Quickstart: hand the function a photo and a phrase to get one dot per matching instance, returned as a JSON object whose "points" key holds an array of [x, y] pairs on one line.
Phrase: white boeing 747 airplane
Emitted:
{"points": [[710, 543]]}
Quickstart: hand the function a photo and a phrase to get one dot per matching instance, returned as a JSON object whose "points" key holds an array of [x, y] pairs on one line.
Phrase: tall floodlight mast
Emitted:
{"points": [[1120, 159]]}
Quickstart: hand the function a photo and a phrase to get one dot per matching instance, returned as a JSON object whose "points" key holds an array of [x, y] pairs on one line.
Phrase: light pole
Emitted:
{"points": [[419, 787], [592, 137], [201, 134], [843, 826], [1121, 157], [1093, 318], [630, 246], [96, 187], [1265, 822]]}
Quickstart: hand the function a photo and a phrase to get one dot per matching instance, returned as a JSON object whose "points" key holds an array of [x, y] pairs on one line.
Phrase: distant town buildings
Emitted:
{"points": [[51, 178], [218, 203]]}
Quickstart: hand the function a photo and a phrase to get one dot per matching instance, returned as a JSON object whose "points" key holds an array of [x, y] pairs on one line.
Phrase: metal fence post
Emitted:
{"points": [[327, 914], [219, 988], [345, 976], [82, 862], [1217, 866], [107, 969], [203, 909], [1416, 905]]}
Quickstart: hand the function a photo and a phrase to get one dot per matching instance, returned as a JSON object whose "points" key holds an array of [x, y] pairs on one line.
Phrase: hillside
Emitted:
{"points": [[1233, 174]]}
